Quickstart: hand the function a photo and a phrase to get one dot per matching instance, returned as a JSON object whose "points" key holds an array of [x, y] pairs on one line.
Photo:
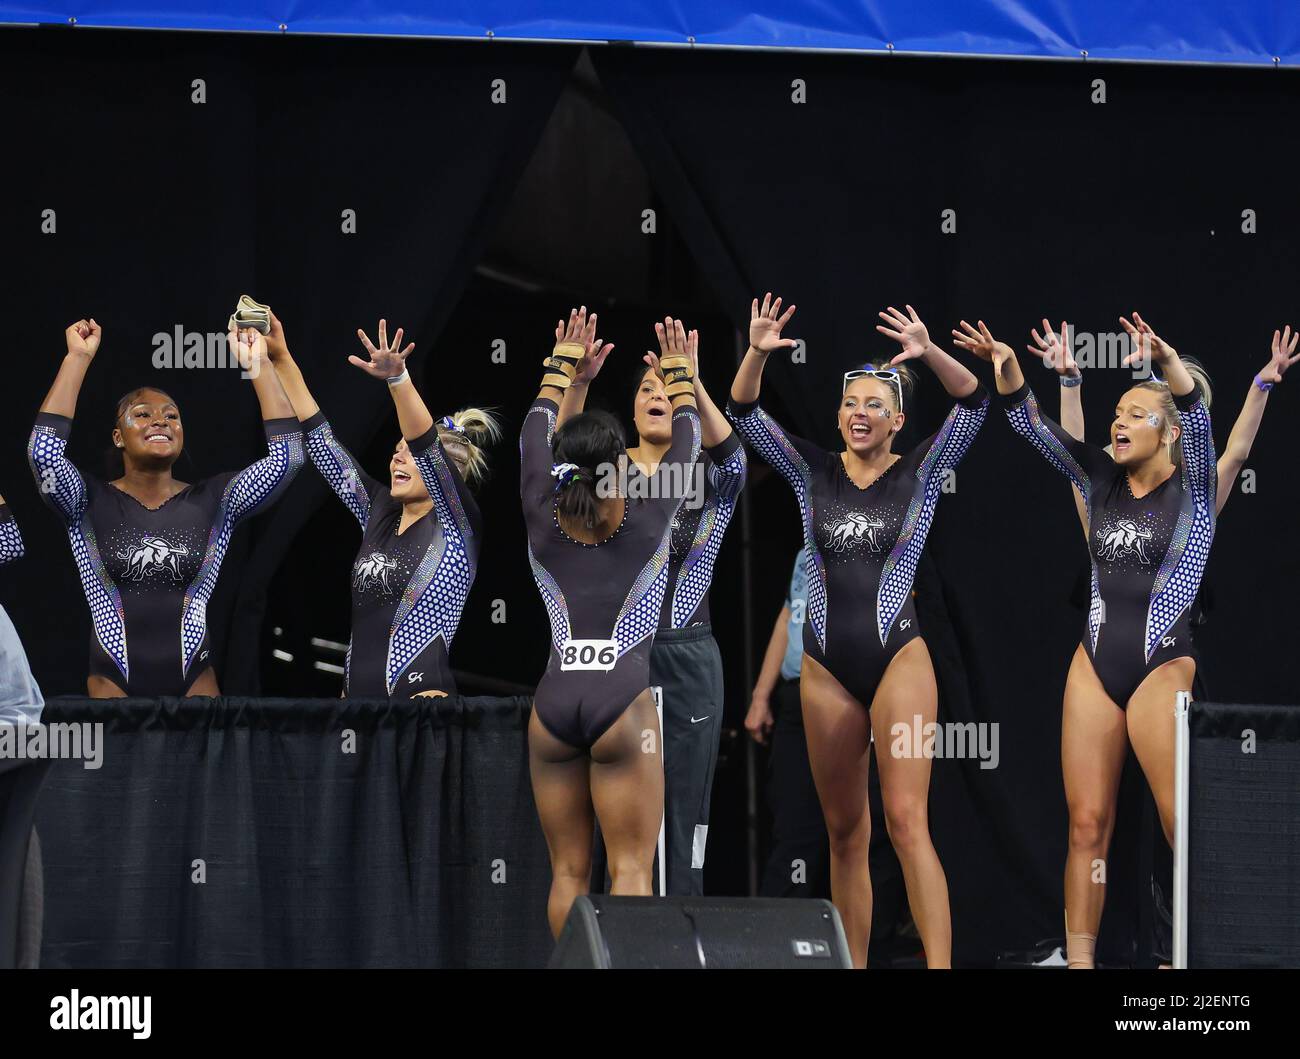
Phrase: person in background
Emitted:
{"points": [[799, 862]]}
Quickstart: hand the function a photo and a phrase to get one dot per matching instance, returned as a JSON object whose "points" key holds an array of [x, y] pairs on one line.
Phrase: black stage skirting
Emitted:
{"points": [[295, 833], [1243, 836]]}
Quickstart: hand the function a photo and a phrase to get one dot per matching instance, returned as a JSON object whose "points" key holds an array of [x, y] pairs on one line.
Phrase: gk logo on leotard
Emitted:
{"points": [[906, 623], [1168, 641], [373, 571], [1125, 539], [414, 678], [153, 554], [588, 655], [853, 528]]}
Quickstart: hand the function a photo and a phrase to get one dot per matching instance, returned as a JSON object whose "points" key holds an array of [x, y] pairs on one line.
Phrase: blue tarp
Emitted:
{"points": [[1254, 31]]}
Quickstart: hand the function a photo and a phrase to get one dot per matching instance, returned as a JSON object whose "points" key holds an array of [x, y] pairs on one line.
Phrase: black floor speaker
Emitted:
{"points": [[701, 932]]}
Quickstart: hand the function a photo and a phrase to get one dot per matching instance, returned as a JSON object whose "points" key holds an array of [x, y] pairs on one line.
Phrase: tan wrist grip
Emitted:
{"points": [[562, 365]]}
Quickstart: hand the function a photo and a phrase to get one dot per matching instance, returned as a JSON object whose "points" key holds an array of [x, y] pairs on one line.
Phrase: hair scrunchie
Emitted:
{"points": [[447, 423], [564, 474]]}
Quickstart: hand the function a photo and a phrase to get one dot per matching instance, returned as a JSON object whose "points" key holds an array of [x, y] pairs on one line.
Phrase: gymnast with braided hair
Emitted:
{"points": [[866, 512], [421, 532], [1150, 513], [148, 547], [601, 562]]}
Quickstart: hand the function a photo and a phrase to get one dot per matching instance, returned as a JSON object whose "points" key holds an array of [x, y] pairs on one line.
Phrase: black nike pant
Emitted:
{"points": [[686, 673]]}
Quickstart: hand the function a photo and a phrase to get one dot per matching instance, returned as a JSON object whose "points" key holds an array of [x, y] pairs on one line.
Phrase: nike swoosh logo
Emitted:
{"points": [[697, 720]]}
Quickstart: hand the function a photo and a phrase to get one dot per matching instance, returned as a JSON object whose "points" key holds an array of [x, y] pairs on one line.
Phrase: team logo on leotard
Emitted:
{"points": [[373, 571], [852, 528], [1125, 539], [152, 555]]}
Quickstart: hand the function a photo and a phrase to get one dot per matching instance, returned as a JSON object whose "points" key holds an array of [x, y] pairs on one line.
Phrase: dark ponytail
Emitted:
{"points": [[593, 442]]}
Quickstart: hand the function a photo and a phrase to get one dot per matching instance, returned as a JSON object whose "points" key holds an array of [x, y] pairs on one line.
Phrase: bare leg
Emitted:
{"points": [[563, 796], [103, 688], [627, 788], [908, 691], [1151, 731], [206, 684], [1093, 745], [839, 731]]}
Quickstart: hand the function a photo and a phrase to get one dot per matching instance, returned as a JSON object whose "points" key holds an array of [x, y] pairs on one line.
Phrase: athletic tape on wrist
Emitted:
{"points": [[562, 365]]}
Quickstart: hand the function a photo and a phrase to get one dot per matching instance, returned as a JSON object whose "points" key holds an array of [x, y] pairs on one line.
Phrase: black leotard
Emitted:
{"points": [[862, 544], [148, 574], [697, 531], [408, 589], [611, 592], [1148, 554]]}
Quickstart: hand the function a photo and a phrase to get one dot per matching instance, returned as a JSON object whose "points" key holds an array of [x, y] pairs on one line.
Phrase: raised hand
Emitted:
{"points": [[1053, 350], [1146, 343], [277, 346], [766, 325], [249, 347], [692, 351], [1284, 355], [581, 329], [387, 361], [981, 342], [907, 331], [83, 337]]}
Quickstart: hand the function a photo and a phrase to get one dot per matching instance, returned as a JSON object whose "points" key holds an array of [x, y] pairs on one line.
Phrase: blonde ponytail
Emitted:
{"points": [[475, 428]]}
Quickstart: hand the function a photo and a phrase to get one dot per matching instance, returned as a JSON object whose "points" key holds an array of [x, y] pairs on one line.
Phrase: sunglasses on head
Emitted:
{"points": [[885, 374]]}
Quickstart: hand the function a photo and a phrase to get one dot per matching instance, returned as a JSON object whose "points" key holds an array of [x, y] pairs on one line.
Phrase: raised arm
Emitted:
{"points": [[291, 379], [443, 482], [1076, 459], [580, 330], [250, 347], [909, 332], [328, 455], [58, 480], [262, 482], [677, 369], [765, 327], [11, 541], [1242, 438], [1049, 349], [83, 340], [1197, 438]]}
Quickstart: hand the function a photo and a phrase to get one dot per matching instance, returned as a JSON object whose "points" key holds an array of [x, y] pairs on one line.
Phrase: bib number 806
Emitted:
{"points": [[588, 654]]}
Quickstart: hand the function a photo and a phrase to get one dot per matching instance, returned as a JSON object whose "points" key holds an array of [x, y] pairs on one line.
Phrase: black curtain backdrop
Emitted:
{"points": [[1063, 207], [331, 834], [167, 210]]}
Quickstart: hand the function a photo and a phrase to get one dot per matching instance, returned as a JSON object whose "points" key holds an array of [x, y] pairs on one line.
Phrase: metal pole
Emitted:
{"points": [[747, 624], [1182, 740]]}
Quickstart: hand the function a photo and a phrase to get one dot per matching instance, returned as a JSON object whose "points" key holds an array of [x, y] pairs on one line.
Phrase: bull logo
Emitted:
{"points": [[856, 527], [373, 571], [153, 554], [1125, 539]]}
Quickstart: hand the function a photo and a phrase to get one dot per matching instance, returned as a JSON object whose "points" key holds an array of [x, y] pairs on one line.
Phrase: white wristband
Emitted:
{"points": [[396, 379]]}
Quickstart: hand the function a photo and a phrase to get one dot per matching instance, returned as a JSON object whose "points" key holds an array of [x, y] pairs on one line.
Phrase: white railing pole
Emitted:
{"points": [[1182, 741]]}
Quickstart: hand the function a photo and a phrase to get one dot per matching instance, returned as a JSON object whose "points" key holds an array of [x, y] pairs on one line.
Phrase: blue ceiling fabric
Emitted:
{"points": [[1157, 30]]}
